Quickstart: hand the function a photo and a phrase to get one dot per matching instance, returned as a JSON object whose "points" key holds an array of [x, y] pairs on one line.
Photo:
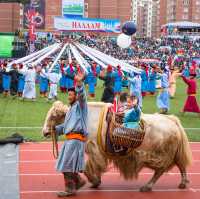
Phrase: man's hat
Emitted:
{"points": [[109, 68], [72, 89]]}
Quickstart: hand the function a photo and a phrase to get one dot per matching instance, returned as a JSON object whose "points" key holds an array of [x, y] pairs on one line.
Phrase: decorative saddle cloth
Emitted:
{"points": [[120, 140]]}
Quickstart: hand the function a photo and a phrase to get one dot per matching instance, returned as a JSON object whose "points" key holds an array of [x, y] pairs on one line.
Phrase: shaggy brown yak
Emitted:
{"points": [[165, 145]]}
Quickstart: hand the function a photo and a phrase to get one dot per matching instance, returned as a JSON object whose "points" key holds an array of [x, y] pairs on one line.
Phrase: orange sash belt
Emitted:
{"points": [[76, 136], [192, 95]]}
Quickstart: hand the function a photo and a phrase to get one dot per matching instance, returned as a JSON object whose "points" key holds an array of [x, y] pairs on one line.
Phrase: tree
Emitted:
{"points": [[16, 1]]}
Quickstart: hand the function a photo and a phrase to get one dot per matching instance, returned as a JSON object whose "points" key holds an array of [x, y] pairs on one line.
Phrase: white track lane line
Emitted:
{"points": [[48, 150], [116, 190], [107, 173], [47, 161]]}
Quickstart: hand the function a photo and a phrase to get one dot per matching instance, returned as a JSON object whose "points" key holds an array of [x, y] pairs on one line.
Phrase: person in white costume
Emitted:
{"points": [[54, 78], [29, 91]]}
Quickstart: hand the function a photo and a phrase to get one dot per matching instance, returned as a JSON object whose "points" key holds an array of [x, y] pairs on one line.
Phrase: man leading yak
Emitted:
{"points": [[71, 158]]}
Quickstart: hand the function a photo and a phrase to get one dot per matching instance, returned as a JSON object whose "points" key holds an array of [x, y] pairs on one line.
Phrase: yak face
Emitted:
{"points": [[55, 116]]}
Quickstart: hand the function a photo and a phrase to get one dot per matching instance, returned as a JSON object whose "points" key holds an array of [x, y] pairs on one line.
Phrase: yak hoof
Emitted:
{"points": [[145, 189], [183, 185], [95, 185]]}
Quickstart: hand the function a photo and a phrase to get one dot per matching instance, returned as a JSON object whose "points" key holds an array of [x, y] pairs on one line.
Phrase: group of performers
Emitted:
{"points": [[72, 79], [21, 81]]}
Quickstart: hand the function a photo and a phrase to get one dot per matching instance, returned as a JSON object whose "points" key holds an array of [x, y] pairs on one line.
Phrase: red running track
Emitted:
{"points": [[39, 180]]}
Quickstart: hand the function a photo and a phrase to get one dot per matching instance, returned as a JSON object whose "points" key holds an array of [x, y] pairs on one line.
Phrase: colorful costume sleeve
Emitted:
{"points": [[187, 81], [80, 90]]}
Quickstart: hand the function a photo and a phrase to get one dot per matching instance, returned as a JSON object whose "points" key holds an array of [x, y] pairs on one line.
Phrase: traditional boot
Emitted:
{"points": [[70, 186], [79, 181], [165, 110]]}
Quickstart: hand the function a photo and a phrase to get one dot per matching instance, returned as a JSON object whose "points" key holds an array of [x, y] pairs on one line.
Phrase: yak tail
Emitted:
{"points": [[184, 153]]}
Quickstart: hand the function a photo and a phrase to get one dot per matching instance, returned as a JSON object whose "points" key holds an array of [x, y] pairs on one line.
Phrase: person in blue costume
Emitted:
{"points": [[91, 77], [63, 88], [144, 77], [86, 80], [135, 86], [21, 82], [95, 72], [70, 71], [163, 97], [186, 71], [152, 81], [125, 82], [6, 81], [118, 80], [98, 69], [132, 114], [43, 82], [71, 160]]}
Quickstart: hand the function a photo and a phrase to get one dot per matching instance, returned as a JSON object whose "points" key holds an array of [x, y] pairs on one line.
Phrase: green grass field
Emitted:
{"points": [[15, 113]]}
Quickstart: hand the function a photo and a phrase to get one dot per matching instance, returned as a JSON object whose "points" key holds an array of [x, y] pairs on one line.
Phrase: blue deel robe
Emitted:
{"points": [[135, 88], [91, 82], [71, 156], [21, 83], [62, 82], [163, 97], [132, 118], [186, 72], [6, 81], [117, 82], [68, 81], [43, 84], [144, 78], [152, 82]]}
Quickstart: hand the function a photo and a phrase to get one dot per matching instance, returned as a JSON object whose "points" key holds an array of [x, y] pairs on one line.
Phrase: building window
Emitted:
{"points": [[86, 6], [185, 17], [185, 9], [185, 2]]}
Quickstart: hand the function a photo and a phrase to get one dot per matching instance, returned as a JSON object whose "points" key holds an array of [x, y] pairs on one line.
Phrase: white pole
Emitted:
{"points": [[29, 56], [91, 56], [37, 56], [106, 60], [69, 56], [58, 57], [46, 55], [125, 66], [78, 57]]}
